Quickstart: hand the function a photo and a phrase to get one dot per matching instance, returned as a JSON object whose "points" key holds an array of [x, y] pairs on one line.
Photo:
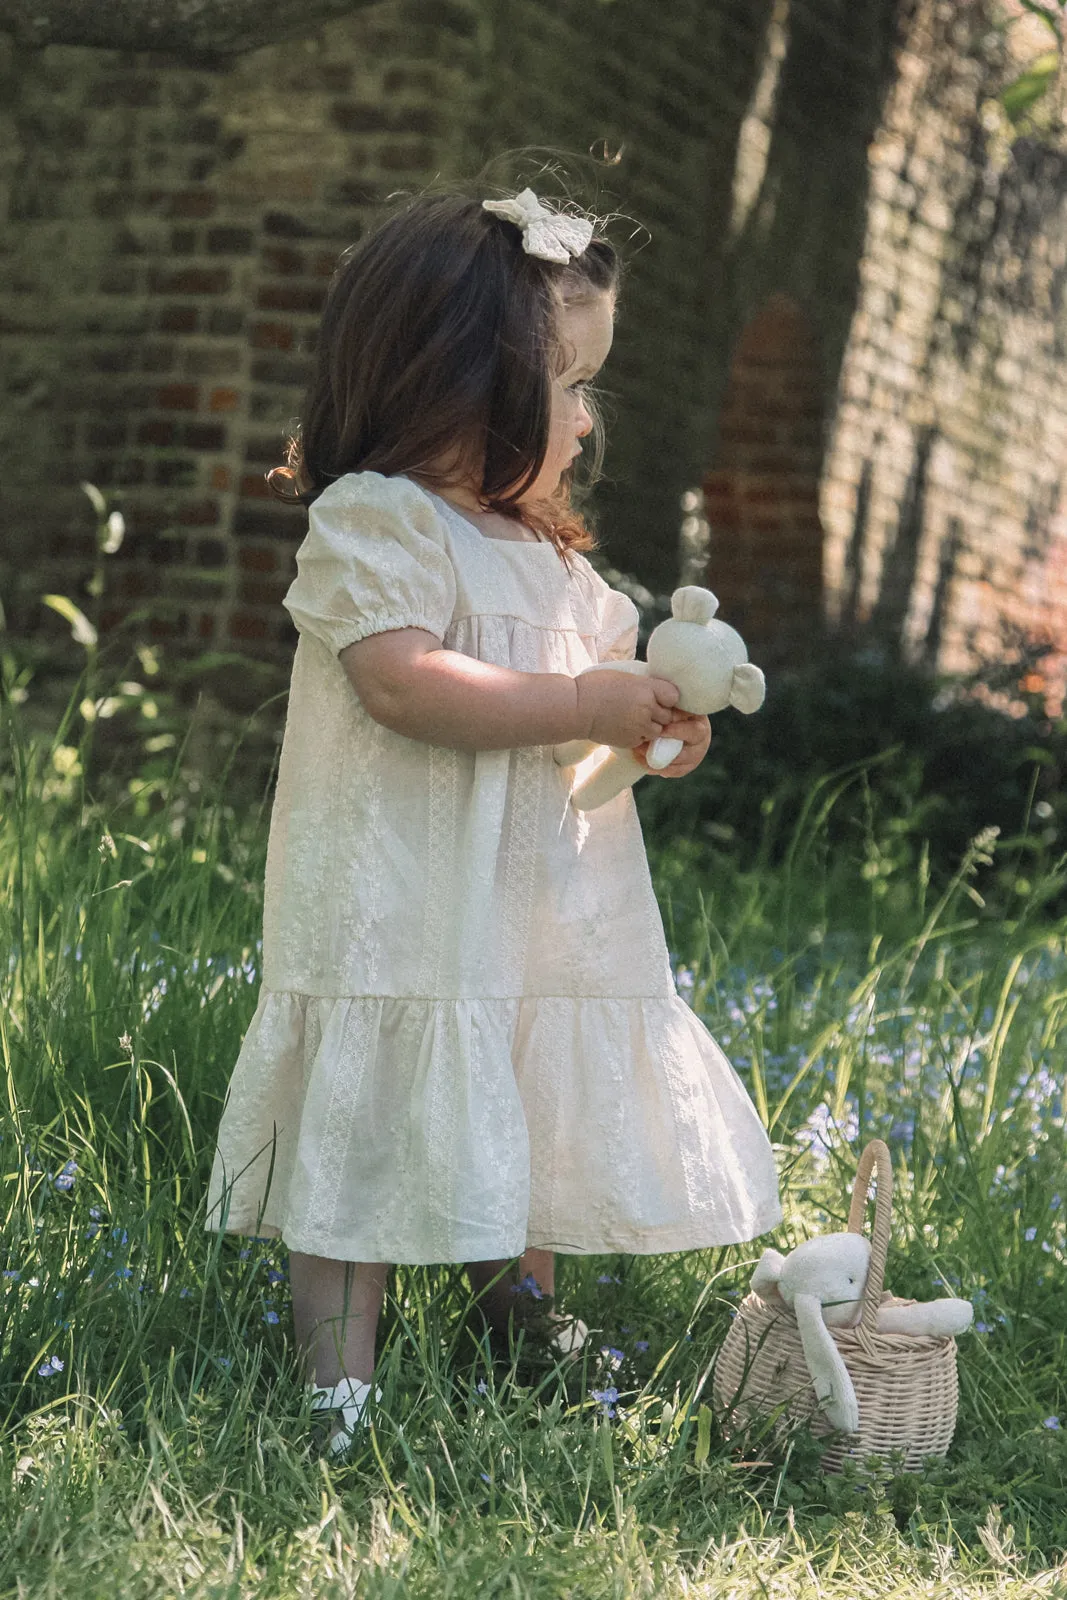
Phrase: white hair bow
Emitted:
{"points": [[550, 235]]}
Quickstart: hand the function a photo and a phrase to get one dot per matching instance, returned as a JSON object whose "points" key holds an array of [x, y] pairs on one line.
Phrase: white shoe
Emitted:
{"points": [[349, 1398], [570, 1334]]}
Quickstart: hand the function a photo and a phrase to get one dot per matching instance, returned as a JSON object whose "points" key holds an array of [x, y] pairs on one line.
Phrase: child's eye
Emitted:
{"points": [[578, 388]]}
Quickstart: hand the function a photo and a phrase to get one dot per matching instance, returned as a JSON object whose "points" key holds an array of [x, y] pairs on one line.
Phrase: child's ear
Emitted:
{"points": [[748, 689]]}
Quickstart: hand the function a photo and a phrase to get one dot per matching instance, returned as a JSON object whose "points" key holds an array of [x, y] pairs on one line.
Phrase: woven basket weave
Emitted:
{"points": [[905, 1384]]}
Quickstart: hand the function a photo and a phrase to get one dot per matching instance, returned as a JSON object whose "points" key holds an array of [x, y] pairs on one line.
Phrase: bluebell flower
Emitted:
{"points": [[12, 1275], [982, 1327], [606, 1399], [1030, 1235], [273, 1276], [481, 1386], [528, 1285], [485, 1477], [641, 1345], [607, 1277], [1053, 1423], [270, 1316], [65, 1179], [50, 1367]]}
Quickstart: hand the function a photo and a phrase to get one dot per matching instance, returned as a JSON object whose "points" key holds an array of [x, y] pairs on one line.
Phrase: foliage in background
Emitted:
{"points": [[1033, 99], [153, 1432], [917, 766]]}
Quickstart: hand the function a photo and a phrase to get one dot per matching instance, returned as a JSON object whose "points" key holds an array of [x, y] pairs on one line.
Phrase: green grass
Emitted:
{"points": [[172, 1452]]}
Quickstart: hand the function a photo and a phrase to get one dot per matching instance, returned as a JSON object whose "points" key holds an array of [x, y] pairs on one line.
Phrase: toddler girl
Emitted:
{"points": [[468, 1046]]}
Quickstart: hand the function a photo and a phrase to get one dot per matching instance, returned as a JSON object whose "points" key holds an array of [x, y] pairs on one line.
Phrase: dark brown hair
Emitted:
{"points": [[437, 345]]}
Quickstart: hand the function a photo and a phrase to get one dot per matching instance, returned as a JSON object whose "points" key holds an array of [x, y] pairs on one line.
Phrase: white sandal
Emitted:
{"points": [[569, 1336], [349, 1398]]}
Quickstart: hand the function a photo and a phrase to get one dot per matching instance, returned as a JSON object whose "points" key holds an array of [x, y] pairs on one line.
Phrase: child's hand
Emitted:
{"points": [[623, 710], [695, 734]]}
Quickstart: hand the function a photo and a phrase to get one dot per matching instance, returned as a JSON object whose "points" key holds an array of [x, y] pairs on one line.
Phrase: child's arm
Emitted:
{"points": [[408, 682]]}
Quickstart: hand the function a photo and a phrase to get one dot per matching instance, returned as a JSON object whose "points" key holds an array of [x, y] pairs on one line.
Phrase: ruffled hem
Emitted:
{"points": [[421, 1130]]}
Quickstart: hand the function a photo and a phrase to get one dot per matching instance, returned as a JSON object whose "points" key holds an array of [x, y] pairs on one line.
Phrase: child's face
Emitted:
{"points": [[586, 328]]}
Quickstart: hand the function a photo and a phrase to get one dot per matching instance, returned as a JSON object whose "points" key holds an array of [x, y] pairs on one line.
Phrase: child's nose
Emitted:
{"points": [[584, 423]]}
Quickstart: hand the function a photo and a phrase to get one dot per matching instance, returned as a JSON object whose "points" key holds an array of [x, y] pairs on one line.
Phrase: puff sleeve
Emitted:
{"points": [[617, 633], [374, 560]]}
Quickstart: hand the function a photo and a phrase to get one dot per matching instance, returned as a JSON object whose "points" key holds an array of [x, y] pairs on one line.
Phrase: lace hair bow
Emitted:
{"points": [[550, 235]]}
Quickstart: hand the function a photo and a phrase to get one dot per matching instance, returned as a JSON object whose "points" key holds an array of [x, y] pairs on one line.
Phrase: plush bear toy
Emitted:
{"points": [[822, 1281], [708, 663]]}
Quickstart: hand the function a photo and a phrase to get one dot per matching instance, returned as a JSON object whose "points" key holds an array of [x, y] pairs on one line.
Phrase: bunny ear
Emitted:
{"points": [[830, 1379], [691, 603], [768, 1271], [749, 688]]}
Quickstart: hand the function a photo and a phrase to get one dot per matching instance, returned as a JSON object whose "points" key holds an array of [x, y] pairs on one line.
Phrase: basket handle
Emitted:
{"points": [[875, 1159]]}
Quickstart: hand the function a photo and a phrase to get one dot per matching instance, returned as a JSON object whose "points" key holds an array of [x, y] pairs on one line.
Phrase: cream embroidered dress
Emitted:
{"points": [[468, 1039]]}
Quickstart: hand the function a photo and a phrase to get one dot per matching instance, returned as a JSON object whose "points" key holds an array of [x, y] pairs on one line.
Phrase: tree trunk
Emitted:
{"points": [[179, 27]]}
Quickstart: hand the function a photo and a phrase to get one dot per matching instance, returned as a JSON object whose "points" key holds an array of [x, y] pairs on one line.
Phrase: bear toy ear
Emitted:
{"points": [[749, 688], [767, 1273], [691, 603]]}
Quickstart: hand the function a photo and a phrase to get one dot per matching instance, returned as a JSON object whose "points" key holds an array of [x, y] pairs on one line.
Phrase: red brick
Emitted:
{"points": [[119, 280], [198, 514], [221, 479], [257, 592], [205, 627], [175, 473], [192, 203], [255, 487], [156, 431], [413, 157], [257, 558], [224, 400], [289, 297], [179, 319], [105, 435], [190, 280], [229, 241], [204, 436], [245, 626], [178, 397], [353, 117], [284, 260], [157, 358], [272, 336]]}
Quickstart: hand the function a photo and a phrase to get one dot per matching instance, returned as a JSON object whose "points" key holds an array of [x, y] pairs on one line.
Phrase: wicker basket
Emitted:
{"points": [[905, 1384]]}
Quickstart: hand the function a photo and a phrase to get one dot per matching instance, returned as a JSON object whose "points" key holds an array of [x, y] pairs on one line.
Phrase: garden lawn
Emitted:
{"points": [[155, 1439]]}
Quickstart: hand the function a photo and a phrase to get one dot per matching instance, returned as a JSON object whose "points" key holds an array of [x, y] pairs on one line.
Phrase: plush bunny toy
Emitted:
{"points": [[823, 1281], [707, 661]]}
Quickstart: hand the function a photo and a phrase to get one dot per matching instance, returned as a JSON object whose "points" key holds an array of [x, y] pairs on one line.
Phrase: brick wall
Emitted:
{"points": [[762, 495], [172, 230], [943, 498], [851, 374]]}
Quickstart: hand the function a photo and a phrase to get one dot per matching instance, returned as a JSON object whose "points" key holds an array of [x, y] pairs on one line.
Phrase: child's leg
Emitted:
{"points": [[335, 1314], [495, 1298]]}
